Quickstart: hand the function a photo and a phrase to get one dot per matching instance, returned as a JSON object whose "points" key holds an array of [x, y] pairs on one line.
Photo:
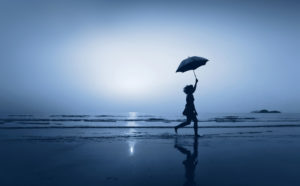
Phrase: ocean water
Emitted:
{"points": [[140, 120], [143, 120]]}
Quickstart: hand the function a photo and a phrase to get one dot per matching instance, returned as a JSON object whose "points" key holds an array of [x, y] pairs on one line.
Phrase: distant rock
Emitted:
{"points": [[266, 111], [233, 119]]}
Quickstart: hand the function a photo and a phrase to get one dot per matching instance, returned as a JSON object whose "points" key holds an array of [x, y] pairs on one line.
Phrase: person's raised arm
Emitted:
{"points": [[195, 86]]}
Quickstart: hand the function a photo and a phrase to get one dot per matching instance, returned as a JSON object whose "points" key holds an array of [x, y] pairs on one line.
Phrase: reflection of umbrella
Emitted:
{"points": [[191, 63]]}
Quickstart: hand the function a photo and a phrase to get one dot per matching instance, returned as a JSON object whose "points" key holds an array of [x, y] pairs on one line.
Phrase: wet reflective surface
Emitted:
{"points": [[149, 157], [190, 162]]}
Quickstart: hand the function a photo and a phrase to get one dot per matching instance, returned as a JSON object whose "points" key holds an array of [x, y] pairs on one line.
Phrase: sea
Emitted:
{"points": [[144, 120]]}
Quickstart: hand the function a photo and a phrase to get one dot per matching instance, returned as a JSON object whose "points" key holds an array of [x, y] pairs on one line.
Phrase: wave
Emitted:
{"points": [[218, 120], [143, 119]]}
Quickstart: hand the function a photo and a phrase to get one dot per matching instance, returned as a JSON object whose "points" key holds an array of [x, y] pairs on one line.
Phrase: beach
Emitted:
{"points": [[141, 155], [150, 93]]}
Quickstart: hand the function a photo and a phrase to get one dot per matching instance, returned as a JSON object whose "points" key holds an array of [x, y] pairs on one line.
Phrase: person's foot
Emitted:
{"points": [[175, 130], [197, 135]]}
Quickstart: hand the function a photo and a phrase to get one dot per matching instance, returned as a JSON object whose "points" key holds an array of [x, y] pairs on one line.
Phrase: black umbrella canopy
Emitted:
{"points": [[191, 63]]}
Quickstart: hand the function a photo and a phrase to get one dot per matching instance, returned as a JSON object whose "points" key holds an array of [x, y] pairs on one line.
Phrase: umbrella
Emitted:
{"points": [[191, 63]]}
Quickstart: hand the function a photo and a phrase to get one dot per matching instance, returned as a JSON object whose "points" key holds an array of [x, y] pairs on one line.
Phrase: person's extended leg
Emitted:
{"points": [[183, 124]]}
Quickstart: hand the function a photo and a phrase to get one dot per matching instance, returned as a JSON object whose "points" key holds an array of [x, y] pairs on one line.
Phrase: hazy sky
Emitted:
{"points": [[119, 56]]}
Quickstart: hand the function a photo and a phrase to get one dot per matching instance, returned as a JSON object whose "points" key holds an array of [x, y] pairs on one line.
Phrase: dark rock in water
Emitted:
{"points": [[266, 111], [100, 120], [104, 115], [70, 116], [156, 120], [233, 119], [35, 123]]}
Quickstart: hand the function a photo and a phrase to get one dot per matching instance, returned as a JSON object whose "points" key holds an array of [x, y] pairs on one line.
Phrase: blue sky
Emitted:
{"points": [[119, 56]]}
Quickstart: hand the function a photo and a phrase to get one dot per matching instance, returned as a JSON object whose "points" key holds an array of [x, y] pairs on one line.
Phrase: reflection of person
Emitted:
{"points": [[189, 110], [190, 163]]}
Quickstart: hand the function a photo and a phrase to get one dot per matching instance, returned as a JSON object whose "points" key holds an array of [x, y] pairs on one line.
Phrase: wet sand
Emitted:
{"points": [[255, 156]]}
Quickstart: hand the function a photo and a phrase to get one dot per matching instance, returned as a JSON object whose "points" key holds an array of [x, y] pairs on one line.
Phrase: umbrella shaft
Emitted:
{"points": [[194, 74]]}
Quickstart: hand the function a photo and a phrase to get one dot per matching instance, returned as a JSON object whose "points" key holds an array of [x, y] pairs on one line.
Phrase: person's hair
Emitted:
{"points": [[188, 89]]}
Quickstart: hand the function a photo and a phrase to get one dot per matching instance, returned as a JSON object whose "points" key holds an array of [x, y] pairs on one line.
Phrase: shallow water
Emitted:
{"points": [[80, 157]]}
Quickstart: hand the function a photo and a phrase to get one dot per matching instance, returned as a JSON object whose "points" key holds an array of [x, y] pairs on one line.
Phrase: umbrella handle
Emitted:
{"points": [[195, 74]]}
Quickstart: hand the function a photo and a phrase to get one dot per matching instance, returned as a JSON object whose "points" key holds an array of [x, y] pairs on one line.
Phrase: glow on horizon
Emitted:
{"points": [[123, 67], [132, 116]]}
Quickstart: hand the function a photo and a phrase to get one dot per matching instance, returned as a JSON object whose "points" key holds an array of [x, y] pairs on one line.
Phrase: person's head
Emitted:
{"points": [[188, 89]]}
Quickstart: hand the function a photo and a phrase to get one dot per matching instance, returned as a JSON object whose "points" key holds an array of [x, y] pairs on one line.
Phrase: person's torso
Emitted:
{"points": [[190, 99]]}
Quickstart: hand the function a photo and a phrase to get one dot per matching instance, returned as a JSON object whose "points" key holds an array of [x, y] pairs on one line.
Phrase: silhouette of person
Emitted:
{"points": [[189, 110], [190, 163]]}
